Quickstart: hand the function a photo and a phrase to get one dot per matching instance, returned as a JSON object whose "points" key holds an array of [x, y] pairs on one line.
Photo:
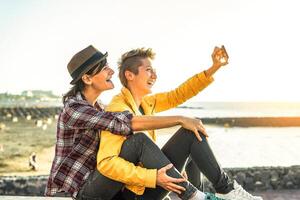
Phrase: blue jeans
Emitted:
{"points": [[138, 148]]}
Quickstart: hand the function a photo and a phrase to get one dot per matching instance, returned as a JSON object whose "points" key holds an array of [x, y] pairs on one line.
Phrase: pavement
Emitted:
{"points": [[280, 195], [32, 198], [268, 195]]}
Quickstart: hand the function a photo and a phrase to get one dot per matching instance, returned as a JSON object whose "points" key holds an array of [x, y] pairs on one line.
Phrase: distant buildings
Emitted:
{"points": [[38, 94], [30, 98]]}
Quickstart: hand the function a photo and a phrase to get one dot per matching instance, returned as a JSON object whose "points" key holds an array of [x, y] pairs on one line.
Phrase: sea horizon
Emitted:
{"points": [[237, 109], [40, 98]]}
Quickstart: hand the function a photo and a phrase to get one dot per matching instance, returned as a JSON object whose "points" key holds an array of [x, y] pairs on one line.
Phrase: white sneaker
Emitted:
{"points": [[238, 193]]}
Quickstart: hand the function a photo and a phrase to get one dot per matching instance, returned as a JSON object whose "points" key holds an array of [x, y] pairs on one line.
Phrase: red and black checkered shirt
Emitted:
{"points": [[78, 140]]}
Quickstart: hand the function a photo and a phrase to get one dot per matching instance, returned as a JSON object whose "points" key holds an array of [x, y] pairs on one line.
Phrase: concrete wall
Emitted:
{"points": [[45, 112], [252, 179], [264, 178]]}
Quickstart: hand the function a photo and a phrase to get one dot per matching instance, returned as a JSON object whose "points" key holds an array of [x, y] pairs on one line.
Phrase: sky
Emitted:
{"points": [[39, 37]]}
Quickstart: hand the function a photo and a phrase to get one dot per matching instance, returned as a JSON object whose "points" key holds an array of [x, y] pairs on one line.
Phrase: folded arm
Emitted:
{"points": [[78, 116]]}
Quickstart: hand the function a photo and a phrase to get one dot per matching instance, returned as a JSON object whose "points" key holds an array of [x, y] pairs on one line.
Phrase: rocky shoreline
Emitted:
{"points": [[252, 179], [10, 113], [15, 113]]}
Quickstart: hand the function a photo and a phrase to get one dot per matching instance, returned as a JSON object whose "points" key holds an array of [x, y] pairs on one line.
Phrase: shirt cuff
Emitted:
{"points": [[204, 78], [150, 180], [122, 124], [128, 114], [128, 119]]}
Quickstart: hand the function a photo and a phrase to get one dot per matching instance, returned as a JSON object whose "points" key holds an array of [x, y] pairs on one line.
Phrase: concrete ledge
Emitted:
{"points": [[32, 198], [252, 179], [8, 113]]}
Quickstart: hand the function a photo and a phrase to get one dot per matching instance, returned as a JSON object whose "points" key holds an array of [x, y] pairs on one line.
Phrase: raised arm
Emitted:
{"points": [[191, 87]]}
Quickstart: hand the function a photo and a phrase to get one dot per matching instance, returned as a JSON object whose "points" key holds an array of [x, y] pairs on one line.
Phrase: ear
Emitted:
{"points": [[129, 75], [86, 79]]}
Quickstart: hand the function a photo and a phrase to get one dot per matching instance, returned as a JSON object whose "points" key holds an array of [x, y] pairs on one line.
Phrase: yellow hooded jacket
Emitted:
{"points": [[136, 178]]}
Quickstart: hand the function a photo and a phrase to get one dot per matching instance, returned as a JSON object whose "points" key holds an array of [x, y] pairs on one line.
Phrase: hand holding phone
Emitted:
{"points": [[224, 57], [225, 52]]}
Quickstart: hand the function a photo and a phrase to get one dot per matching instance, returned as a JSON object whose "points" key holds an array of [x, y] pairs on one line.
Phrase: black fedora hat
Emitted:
{"points": [[83, 61]]}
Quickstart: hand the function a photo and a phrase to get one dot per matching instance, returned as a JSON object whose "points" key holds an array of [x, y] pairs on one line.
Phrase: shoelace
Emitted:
{"points": [[243, 192]]}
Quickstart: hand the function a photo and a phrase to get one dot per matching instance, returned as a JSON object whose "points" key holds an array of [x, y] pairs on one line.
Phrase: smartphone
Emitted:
{"points": [[223, 47]]}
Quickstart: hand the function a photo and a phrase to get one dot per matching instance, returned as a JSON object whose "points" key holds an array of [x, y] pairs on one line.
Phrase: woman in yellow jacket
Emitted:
{"points": [[136, 161], [81, 120]]}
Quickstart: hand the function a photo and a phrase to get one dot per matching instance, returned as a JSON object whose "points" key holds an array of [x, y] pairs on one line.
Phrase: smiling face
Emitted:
{"points": [[102, 80], [99, 81], [143, 81]]}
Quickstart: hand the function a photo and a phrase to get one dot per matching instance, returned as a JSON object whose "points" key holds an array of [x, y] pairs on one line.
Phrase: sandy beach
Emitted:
{"points": [[249, 147]]}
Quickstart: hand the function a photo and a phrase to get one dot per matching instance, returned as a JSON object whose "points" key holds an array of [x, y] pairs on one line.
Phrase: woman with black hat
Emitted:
{"points": [[82, 118]]}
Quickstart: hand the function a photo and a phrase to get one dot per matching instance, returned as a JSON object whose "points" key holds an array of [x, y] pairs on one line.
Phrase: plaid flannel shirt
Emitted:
{"points": [[78, 140]]}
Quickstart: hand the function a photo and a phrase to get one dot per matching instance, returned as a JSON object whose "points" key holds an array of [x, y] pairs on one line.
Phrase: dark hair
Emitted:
{"points": [[79, 85], [131, 60]]}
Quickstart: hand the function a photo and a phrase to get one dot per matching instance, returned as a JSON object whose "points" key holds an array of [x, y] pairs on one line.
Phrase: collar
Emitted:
{"points": [[80, 98], [127, 96], [130, 100]]}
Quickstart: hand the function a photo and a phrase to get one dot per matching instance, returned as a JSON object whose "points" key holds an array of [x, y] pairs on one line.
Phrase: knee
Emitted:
{"points": [[186, 133], [139, 137], [132, 146], [190, 134]]}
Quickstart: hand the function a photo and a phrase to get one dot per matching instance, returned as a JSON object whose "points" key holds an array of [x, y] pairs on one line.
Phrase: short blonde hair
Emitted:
{"points": [[131, 60]]}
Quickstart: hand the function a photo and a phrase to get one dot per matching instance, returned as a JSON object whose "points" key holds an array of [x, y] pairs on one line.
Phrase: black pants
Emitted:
{"points": [[141, 149]]}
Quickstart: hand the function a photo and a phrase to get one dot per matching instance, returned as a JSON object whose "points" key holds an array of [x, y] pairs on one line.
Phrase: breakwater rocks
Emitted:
{"points": [[15, 113], [32, 185], [263, 178], [253, 121], [252, 179]]}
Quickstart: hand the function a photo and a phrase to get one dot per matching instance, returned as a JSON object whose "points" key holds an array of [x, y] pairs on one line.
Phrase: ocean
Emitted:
{"points": [[246, 146], [236, 109]]}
